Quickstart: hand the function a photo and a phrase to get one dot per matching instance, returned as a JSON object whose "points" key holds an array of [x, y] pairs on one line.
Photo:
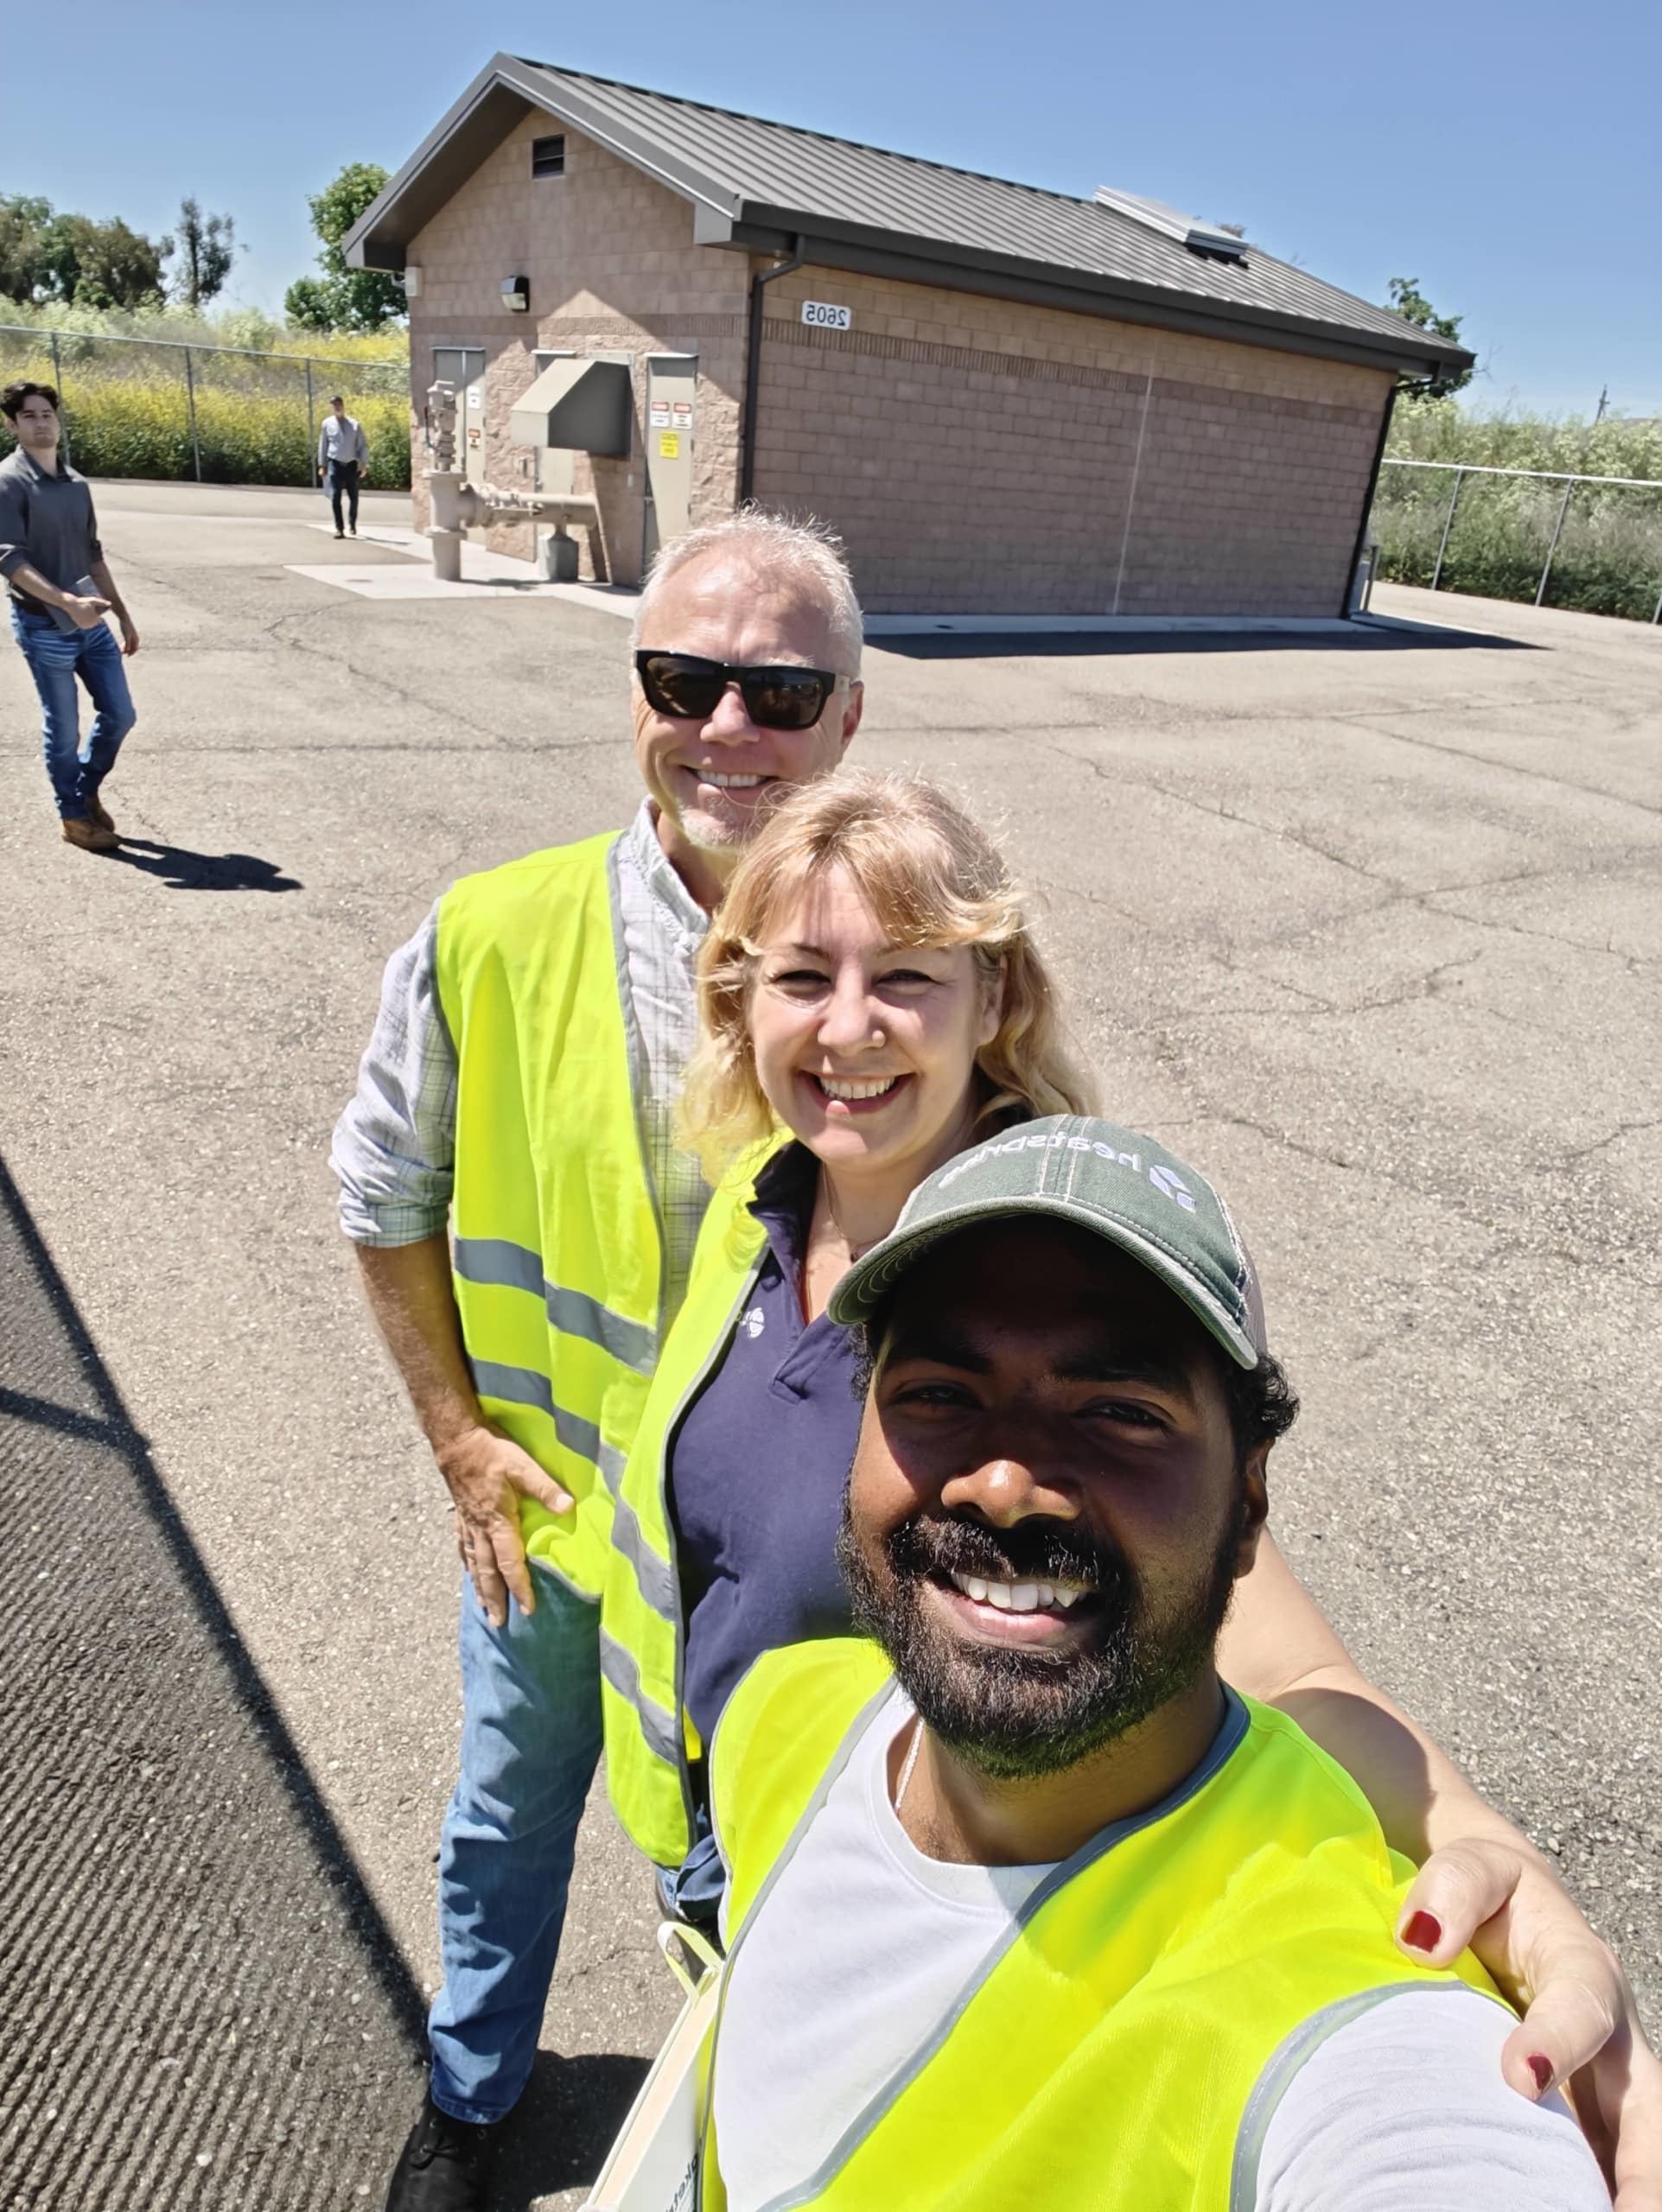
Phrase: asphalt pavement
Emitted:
{"points": [[1368, 927]]}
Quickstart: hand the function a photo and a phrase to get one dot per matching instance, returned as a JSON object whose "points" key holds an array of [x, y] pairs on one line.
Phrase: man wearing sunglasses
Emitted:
{"points": [[524, 1226]]}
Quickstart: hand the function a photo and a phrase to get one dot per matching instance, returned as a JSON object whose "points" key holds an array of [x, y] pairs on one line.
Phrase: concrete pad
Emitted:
{"points": [[1103, 626], [498, 572]]}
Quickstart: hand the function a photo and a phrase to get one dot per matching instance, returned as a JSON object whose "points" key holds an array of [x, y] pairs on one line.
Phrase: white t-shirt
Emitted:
{"points": [[864, 1945]]}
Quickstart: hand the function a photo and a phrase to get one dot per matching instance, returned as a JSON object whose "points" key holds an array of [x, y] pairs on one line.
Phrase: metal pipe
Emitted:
{"points": [[753, 370], [311, 425], [1447, 524], [1558, 528], [1540, 475], [196, 346], [190, 402], [1345, 609], [57, 382]]}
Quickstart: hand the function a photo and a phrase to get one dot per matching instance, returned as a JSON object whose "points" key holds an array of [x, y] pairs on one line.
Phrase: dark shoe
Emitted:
{"points": [[353, 530], [100, 813], [444, 2167], [340, 533], [89, 835]]}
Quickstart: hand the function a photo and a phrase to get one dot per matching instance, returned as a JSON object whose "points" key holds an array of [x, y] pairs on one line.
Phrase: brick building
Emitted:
{"points": [[1008, 401]]}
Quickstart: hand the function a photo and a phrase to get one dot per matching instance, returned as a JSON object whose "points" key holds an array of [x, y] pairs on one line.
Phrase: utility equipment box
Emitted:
{"points": [[584, 404]]}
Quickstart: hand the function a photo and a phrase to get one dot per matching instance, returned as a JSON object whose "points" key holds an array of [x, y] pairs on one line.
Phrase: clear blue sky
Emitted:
{"points": [[1506, 154]]}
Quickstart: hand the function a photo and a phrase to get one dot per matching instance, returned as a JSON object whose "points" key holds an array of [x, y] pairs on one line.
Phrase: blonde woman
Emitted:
{"points": [[872, 1001]]}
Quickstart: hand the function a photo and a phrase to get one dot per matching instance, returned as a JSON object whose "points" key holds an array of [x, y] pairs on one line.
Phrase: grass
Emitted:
{"points": [[1608, 559], [128, 408]]}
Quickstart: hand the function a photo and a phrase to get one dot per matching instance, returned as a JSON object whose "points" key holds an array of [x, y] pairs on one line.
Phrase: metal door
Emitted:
{"points": [[464, 367], [671, 392]]}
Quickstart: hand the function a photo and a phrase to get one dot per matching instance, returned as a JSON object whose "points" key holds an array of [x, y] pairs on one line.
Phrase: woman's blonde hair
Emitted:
{"points": [[931, 877]]}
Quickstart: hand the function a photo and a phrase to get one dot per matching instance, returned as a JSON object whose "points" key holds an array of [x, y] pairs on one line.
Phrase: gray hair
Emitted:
{"points": [[808, 554]]}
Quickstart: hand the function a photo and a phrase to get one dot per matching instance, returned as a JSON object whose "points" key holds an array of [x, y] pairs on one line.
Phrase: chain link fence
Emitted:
{"points": [[157, 407], [1548, 538]]}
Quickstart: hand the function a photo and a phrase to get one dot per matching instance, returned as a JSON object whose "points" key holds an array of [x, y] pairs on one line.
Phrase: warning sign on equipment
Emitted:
{"points": [[669, 446]]}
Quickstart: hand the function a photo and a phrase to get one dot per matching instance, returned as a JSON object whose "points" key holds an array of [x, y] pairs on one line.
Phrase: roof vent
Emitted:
{"points": [[1208, 238]]}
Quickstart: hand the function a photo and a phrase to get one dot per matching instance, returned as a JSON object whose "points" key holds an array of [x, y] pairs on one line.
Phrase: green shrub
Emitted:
{"points": [[1608, 559], [251, 422]]}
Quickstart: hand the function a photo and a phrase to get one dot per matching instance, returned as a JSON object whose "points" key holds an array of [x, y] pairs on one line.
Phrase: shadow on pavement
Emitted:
{"points": [[1372, 633], [182, 870], [205, 2007], [562, 2126]]}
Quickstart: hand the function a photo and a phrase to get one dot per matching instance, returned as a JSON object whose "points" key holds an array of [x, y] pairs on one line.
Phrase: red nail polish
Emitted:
{"points": [[1542, 2070], [1423, 1932]]}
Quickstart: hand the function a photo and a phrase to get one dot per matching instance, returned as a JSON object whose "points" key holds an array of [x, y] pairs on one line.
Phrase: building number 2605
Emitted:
{"points": [[823, 316]]}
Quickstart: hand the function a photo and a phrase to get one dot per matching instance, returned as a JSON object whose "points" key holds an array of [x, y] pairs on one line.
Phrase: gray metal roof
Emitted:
{"points": [[760, 184]]}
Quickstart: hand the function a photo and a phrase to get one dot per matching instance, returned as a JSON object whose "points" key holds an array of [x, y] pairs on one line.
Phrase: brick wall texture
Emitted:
{"points": [[613, 270], [977, 455]]}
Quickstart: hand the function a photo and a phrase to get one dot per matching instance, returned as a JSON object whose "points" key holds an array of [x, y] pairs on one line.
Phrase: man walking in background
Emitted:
{"points": [[342, 461], [60, 589]]}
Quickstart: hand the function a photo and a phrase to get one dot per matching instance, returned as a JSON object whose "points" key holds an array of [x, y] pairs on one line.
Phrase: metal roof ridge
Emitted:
{"points": [[806, 131]]}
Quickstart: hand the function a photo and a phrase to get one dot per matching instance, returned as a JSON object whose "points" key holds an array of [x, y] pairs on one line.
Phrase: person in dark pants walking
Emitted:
{"points": [[60, 589], [343, 459]]}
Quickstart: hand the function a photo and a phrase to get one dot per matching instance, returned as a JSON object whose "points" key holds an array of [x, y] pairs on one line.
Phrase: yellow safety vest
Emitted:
{"points": [[558, 1247], [649, 1737], [1125, 2050]]}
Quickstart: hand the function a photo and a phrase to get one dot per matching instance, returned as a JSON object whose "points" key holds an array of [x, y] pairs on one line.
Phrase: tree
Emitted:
{"points": [[22, 220], [315, 303], [98, 264], [1412, 305], [207, 246], [344, 298], [47, 258]]}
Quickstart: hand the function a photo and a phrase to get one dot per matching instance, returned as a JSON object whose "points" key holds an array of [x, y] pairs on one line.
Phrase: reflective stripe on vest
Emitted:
{"points": [[492, 1259], [649, 1740], [558, 1248], [1109, 2051]]}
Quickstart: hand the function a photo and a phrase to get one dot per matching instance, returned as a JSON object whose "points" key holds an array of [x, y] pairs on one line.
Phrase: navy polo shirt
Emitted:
{"points": [[759, 1464]]}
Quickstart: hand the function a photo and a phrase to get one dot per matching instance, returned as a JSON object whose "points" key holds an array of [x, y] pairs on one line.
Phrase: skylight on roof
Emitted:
{"points": [[1207, 238]]}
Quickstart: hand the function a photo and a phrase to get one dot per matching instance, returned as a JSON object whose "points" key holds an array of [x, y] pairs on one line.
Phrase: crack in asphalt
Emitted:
{"points": [[375, 681], [1600, 1144], [1106, 773], [1636, 963], [1509, 767], [1418, 987]]}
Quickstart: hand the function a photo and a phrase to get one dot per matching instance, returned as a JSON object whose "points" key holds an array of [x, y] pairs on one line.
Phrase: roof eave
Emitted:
{"points": [[761, 227], [508, 86], [499, 96]]}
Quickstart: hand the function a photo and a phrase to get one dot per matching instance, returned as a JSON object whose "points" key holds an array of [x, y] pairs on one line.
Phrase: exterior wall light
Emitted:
{"points": [[411, 281], [516, 294]]}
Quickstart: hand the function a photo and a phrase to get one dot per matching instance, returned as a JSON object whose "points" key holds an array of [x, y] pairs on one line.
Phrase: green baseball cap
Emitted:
{"points": [[1117, 1182]]}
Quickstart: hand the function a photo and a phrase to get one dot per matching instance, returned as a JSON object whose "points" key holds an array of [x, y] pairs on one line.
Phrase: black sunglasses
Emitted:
{"points": [[782, 698]]}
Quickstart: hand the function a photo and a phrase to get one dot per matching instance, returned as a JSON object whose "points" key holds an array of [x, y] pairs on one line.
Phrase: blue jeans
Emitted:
{"points": [[343, 477], [55, 659], [531, 1739]]}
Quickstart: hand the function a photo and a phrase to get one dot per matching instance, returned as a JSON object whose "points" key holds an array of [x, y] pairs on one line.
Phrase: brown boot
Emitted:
{"points": [[90, 836], [100, 813]]}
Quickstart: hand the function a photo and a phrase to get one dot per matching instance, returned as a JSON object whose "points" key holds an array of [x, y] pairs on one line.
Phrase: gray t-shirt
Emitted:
{"points": [[47, 520], [864, 1945]]}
